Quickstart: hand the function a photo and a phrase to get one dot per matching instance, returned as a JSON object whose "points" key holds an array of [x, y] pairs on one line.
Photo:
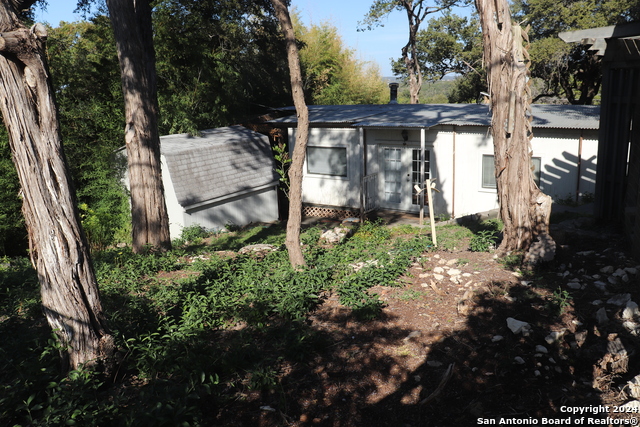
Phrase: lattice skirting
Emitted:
{"points": [[324, 212]]}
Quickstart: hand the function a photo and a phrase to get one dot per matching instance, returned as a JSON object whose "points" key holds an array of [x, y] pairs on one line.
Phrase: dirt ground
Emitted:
{"points": [[443, 355]]}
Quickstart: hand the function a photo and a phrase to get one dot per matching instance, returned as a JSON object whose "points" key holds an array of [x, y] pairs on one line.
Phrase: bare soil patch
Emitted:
{"points": [[442, 355]]}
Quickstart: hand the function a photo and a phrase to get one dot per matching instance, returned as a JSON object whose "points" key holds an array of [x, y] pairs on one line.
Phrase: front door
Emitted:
{"points": [[400, 172]]}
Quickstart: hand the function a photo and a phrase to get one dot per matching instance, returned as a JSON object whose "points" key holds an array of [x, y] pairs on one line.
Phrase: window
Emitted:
{"points": [[327, 161], [393, 175], [488, 171], [415, 174]]}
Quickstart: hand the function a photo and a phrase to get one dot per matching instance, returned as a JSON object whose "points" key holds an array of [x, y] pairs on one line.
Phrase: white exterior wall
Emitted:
{"points": [[174, 210], [558, 150], [471, 143], [455, 162], [331, 190]]}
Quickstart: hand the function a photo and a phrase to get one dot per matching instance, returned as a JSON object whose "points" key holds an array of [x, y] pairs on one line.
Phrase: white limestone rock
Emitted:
{"points": [[630, 311], [601, 316], [541, 349], [518, 326], [600, 285], [554, 337], [619, 300], [607, 270]]}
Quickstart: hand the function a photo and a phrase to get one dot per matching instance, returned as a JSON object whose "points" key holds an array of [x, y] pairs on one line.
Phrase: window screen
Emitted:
{"points": [[488, 171], [327, 160]]}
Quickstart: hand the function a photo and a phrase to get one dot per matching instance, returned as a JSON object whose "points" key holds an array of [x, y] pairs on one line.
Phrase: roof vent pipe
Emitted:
{"points": [[393, 92]]}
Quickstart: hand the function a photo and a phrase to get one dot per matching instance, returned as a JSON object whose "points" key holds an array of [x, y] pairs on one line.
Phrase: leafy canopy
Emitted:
{"points": [[569, 70], [217, 62], [332, 74]]}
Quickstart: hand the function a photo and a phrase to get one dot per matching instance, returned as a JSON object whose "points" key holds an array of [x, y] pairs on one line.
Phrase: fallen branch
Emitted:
{"points": [[443, 382]]}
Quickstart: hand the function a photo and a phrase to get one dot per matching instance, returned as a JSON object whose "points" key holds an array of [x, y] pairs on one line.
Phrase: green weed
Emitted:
{"points": [[410, 295], [559, 301], [483, 241], [453, 236], [512, 261], [187, 338]]}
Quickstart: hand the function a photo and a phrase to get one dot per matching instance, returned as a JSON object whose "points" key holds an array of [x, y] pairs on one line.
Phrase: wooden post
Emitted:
{"points": [[431, 184], [423, 138]]}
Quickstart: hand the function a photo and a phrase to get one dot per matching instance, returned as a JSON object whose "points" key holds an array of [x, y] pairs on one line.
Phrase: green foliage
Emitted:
{"points": [[486, 235], [570, 71], [32, 391], [450, 44], [410, 295], [83, 61], [13, 235], [187, 324], [468, 88], [218, 62], [283, 161], [512, 261], [371, 258], [192, 235], [19, 290], [453, 236], [331, 72], [483, 241], [559, 301]]}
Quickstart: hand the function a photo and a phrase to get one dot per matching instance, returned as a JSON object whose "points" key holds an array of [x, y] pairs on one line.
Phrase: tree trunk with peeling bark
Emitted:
{"points": [[294, 222], [132, 26], [58, 247], [524, 209]]}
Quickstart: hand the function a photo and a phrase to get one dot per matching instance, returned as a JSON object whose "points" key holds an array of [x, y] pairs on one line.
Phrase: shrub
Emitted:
{"points": [[192, 235], [483, 241]]}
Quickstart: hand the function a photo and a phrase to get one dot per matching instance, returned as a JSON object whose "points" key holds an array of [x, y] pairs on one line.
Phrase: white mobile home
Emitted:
{"points": [[361, 156], [221, 176]]}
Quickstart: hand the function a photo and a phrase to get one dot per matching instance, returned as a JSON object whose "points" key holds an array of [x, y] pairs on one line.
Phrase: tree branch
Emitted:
{"points": [[19, 5], [544, 95]]}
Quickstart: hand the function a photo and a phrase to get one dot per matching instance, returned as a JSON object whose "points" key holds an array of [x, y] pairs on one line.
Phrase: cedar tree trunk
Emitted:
{"points": [[58, 247], [292, 240], [131, 20], [524, 209]]}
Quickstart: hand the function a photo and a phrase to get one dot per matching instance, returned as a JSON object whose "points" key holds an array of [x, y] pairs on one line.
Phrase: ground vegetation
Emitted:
{"points": [[380, 329]]}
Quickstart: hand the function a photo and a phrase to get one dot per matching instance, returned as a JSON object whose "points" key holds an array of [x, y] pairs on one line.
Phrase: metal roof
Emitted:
{"points": [[429, 115], [596, 37], [217, 163]]}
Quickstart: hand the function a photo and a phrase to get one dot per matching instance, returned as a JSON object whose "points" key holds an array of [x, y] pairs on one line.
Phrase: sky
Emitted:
{"points": [[378, 45]]}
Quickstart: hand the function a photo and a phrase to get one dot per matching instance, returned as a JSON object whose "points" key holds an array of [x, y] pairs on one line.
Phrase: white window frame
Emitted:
{"points": [[537, 176], [308, 166]]}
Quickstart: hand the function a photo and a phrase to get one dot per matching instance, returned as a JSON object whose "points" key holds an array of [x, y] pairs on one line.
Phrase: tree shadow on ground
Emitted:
{"points": [[497, 375]]}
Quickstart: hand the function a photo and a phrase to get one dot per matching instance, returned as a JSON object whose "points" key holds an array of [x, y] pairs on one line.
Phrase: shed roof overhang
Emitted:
{"points": [[597, 37]]}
